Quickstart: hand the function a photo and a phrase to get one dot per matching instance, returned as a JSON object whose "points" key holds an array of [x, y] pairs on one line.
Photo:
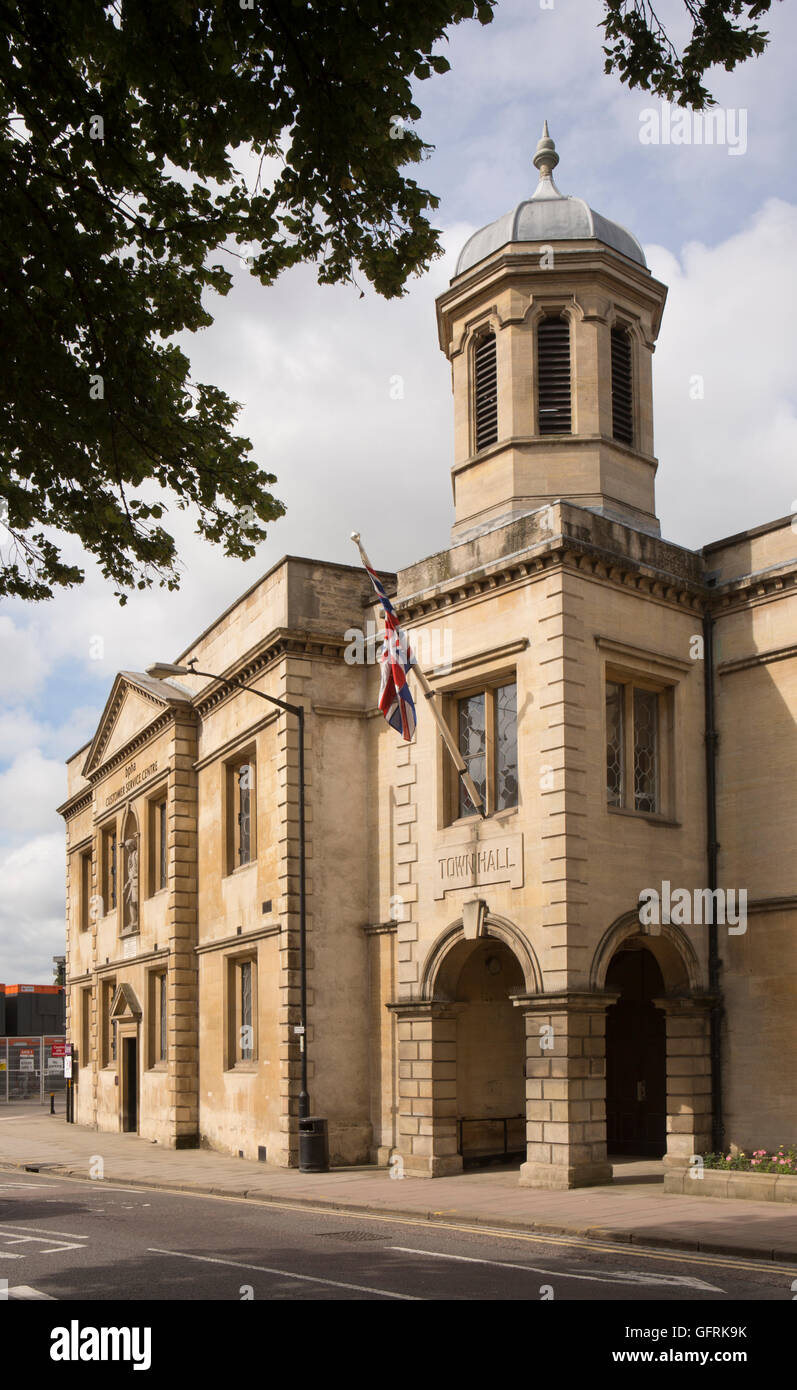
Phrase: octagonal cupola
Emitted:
{"points": [[550, 323]]}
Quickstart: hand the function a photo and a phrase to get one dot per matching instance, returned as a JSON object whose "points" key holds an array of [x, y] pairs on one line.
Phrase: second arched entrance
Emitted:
{"points": [[636, 1057], [490, 1053]]}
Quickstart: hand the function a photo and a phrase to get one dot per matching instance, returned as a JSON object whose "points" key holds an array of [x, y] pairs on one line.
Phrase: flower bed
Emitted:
{"points": [[764, 1175], [782, 1161]]}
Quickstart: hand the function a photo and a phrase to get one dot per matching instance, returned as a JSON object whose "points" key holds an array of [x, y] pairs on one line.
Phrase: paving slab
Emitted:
{"points": [[633, 1209]]}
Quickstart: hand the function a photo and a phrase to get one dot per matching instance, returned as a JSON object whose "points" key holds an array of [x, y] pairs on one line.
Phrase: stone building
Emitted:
{"points": [[626, 707]]}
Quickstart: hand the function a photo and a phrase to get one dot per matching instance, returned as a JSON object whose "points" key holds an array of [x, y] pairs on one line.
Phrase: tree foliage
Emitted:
{"points": [[122, 202], [640, 50]]}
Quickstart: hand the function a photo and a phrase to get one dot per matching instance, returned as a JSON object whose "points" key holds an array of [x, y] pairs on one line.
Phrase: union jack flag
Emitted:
{"points": [[395, 700]]}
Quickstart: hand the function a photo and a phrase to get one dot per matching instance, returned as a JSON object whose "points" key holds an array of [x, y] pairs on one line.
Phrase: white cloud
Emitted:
{"points": [[726, 461], [30, 789], [25, 659], [32, 912]]}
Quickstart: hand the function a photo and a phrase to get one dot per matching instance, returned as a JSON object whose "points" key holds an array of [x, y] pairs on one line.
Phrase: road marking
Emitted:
{"points": [[12, 1238], [45, 1231], [5, 1185], [601, 1277], [287, 1274], [4, 1256], [25, 1291]]}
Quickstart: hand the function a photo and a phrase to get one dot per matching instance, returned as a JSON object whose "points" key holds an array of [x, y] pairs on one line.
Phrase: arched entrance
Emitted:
{"points": [[636, 1056], [482, 977]]}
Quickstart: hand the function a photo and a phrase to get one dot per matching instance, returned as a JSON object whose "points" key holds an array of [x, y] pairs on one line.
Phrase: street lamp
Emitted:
{"points": [[312, 1156]]}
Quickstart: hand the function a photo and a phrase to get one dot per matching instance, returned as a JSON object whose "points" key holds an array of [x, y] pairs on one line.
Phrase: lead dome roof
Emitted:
{"points": [[547, 216]]}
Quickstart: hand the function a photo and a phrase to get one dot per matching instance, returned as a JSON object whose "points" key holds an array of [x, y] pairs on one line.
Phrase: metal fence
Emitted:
{"points": [[30, 1068]]}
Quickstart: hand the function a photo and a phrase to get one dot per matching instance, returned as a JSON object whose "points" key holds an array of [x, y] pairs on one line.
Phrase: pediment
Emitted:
{"points": [[125, 1003], [135, 702]]}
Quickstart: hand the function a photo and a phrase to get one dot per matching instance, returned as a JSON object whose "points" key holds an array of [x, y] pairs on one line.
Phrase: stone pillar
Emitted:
{"points": [[381, 937], [688, 1076], [182, 1001], [427, 1120], [565, 1090]]}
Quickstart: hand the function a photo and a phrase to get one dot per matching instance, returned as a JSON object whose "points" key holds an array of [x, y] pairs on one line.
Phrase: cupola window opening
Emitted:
{"points": [[485, 391], [622, 387], [553, 375]]}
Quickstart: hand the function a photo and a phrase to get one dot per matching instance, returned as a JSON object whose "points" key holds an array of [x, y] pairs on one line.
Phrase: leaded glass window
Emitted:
{"points": [[162, 844], [487, 725], [506, 769], [645, 750], [162, 1018], [473, 747], [244, 813], [634, 776], [614, 743], [246, 1025]]}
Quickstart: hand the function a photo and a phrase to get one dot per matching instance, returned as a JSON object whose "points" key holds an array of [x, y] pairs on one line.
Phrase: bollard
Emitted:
{"points": [[52, 1102]]}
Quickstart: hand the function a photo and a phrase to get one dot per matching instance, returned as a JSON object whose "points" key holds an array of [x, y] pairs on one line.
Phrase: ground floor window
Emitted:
{"points": [[242, 995]]}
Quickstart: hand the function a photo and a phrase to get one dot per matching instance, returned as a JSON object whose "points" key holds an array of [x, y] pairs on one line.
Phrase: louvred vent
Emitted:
{"points": [[622, 396], [486, 392], [553, 376]]}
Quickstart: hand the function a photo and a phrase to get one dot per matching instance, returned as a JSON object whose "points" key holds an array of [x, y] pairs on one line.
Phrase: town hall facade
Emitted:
{"points": [[626, 708]]}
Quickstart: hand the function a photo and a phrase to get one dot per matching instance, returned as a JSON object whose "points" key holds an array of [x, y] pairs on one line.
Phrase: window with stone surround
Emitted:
{"points": [[85, 1025], [85, 862], [107, 1024], [638, 716], [242, 1010], [486, 726], [157, 983], [158, 844], [241, 779], [109, 866]]}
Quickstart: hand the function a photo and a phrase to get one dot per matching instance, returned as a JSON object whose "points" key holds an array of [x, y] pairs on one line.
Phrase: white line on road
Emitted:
{"points": [[4, 1256], [25, 1291], [4, 1185], [602, 1278], [46, 1231], [286, 1274]]}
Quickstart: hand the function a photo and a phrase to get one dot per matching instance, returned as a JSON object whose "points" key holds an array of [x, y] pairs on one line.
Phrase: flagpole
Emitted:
{"points": [[448, 737]]}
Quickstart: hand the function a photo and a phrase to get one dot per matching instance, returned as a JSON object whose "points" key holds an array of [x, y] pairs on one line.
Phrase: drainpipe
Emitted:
{"points": [[712, 847]]}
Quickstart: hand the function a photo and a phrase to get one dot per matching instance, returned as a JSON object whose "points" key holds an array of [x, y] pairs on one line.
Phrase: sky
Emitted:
{"points": [[315, 370]]}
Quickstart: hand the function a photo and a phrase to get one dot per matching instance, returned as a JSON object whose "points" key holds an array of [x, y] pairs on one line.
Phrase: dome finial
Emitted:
{"points": [[545, 156], [546, 160]]}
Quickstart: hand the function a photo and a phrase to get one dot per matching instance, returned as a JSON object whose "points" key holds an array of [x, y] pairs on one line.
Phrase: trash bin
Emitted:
{"points": [[313, 1145]]}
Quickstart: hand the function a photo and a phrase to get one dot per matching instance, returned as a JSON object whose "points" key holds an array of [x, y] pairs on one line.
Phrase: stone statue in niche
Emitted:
{"points": [[130, 885]]}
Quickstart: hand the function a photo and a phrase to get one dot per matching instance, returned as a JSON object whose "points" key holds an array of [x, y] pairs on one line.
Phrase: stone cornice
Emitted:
{"points": [[228, 943], [750, 589], [123, 755], [380, 928], [281, 643], [79, 801], [561, 551], [636, 654], [745, 663]]}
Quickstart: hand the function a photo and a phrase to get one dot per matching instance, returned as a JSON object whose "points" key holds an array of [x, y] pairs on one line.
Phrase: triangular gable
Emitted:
{"points": [[135, 701], [125, 1003]]}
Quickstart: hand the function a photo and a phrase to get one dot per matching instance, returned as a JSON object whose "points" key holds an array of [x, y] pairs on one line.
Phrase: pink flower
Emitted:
{"points": [[755, 1161]]}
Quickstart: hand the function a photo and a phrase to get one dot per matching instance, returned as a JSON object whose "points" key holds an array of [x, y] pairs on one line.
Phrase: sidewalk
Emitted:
{"points": [[633, 1209]]}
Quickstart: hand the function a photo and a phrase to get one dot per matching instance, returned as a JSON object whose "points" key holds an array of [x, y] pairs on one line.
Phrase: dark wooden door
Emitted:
{"points": [[636, 1058], [130, 1114]]}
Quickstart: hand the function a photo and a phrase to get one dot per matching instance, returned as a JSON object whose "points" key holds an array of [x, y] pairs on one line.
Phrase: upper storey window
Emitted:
{"points": [[485, 391], [622, 387], [553, 376]]}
